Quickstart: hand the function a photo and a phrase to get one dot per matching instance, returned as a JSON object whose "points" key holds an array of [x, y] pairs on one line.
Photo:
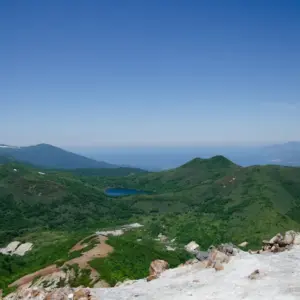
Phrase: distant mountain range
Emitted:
{"points": [[48, 156], [287, 154], [159, 158], [51, 157]]}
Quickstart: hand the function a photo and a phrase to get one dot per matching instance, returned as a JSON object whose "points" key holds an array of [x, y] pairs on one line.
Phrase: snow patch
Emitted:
{"points": [[16, 248], [118, 232], [23, 248]]}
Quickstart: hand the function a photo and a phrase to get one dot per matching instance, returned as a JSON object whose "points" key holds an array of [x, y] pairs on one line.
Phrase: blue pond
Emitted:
{"points": [[116, 192]]}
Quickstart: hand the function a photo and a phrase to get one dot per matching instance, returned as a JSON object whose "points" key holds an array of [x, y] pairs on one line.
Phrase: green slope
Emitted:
{"points": [[30, 201]]}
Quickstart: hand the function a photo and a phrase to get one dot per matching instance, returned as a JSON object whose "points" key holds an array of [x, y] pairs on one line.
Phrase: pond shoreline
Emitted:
{"points": [[119, 192]]}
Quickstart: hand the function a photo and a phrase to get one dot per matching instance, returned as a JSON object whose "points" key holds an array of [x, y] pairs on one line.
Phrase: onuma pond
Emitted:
{"points": [[117, 192]]}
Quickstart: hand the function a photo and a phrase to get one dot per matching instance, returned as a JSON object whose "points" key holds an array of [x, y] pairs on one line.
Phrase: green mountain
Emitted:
{"points": [[207, 200], [48, 156], [213, 200]]}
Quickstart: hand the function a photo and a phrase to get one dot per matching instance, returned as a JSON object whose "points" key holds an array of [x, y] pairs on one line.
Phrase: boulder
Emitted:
{"points": [[191, 262], [218, 266], [192, 247], [297, 239], [228, 249], [289, 236], [267, 247], [276, 239], [275, 248], [157, 267], [217, 256], [243, 244], [202, 255], [82, 294], [101, 284]]}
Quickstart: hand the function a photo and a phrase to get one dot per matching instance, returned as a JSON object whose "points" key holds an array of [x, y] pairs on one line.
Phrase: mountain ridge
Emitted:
{"points": [[49, 156]]}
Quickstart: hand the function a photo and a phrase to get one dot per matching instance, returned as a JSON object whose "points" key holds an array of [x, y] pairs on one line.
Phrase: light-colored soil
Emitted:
{"points": [[28, 278], [79, 245], [100, 250]]}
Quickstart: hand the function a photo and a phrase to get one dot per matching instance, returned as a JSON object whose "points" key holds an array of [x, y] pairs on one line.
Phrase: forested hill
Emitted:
{"points": [[32, 200], [215, 200]]}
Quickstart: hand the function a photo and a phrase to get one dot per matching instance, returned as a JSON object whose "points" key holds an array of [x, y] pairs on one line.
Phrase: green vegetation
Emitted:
{"points": [[131, 258], [81, 276], [206, 200], [48, 248]]}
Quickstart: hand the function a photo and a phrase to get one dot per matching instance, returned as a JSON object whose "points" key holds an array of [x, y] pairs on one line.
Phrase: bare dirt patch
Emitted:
{"points": [[28, 278], [81, 245], [100, 250]]}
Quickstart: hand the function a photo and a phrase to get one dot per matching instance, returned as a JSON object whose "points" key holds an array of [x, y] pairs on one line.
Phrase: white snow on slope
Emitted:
{"points": [[9, 147], [279, 280]]}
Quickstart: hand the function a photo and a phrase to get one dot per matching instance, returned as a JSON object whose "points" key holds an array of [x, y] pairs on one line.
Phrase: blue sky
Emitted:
{"points": [[159, 72]]}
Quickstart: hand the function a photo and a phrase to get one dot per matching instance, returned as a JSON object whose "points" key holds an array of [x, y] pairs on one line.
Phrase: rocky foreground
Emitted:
{"points": [[227, 273]]}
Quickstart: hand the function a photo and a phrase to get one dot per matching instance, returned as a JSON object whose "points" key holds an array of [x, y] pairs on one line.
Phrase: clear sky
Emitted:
{"points": [[150, 72]]}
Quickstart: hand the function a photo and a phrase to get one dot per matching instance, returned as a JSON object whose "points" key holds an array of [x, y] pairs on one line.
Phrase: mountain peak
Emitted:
{"points": [[193, 163], [217, 161], [220, 158]]}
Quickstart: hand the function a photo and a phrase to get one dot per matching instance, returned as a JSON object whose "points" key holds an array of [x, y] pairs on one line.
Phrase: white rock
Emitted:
{"points": [[280, 282], [243, 244], [116, 232], [297, 238], [275, 239], [10, 248], [289, 237], [132, 226], [191, 247], [23, 248]]}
